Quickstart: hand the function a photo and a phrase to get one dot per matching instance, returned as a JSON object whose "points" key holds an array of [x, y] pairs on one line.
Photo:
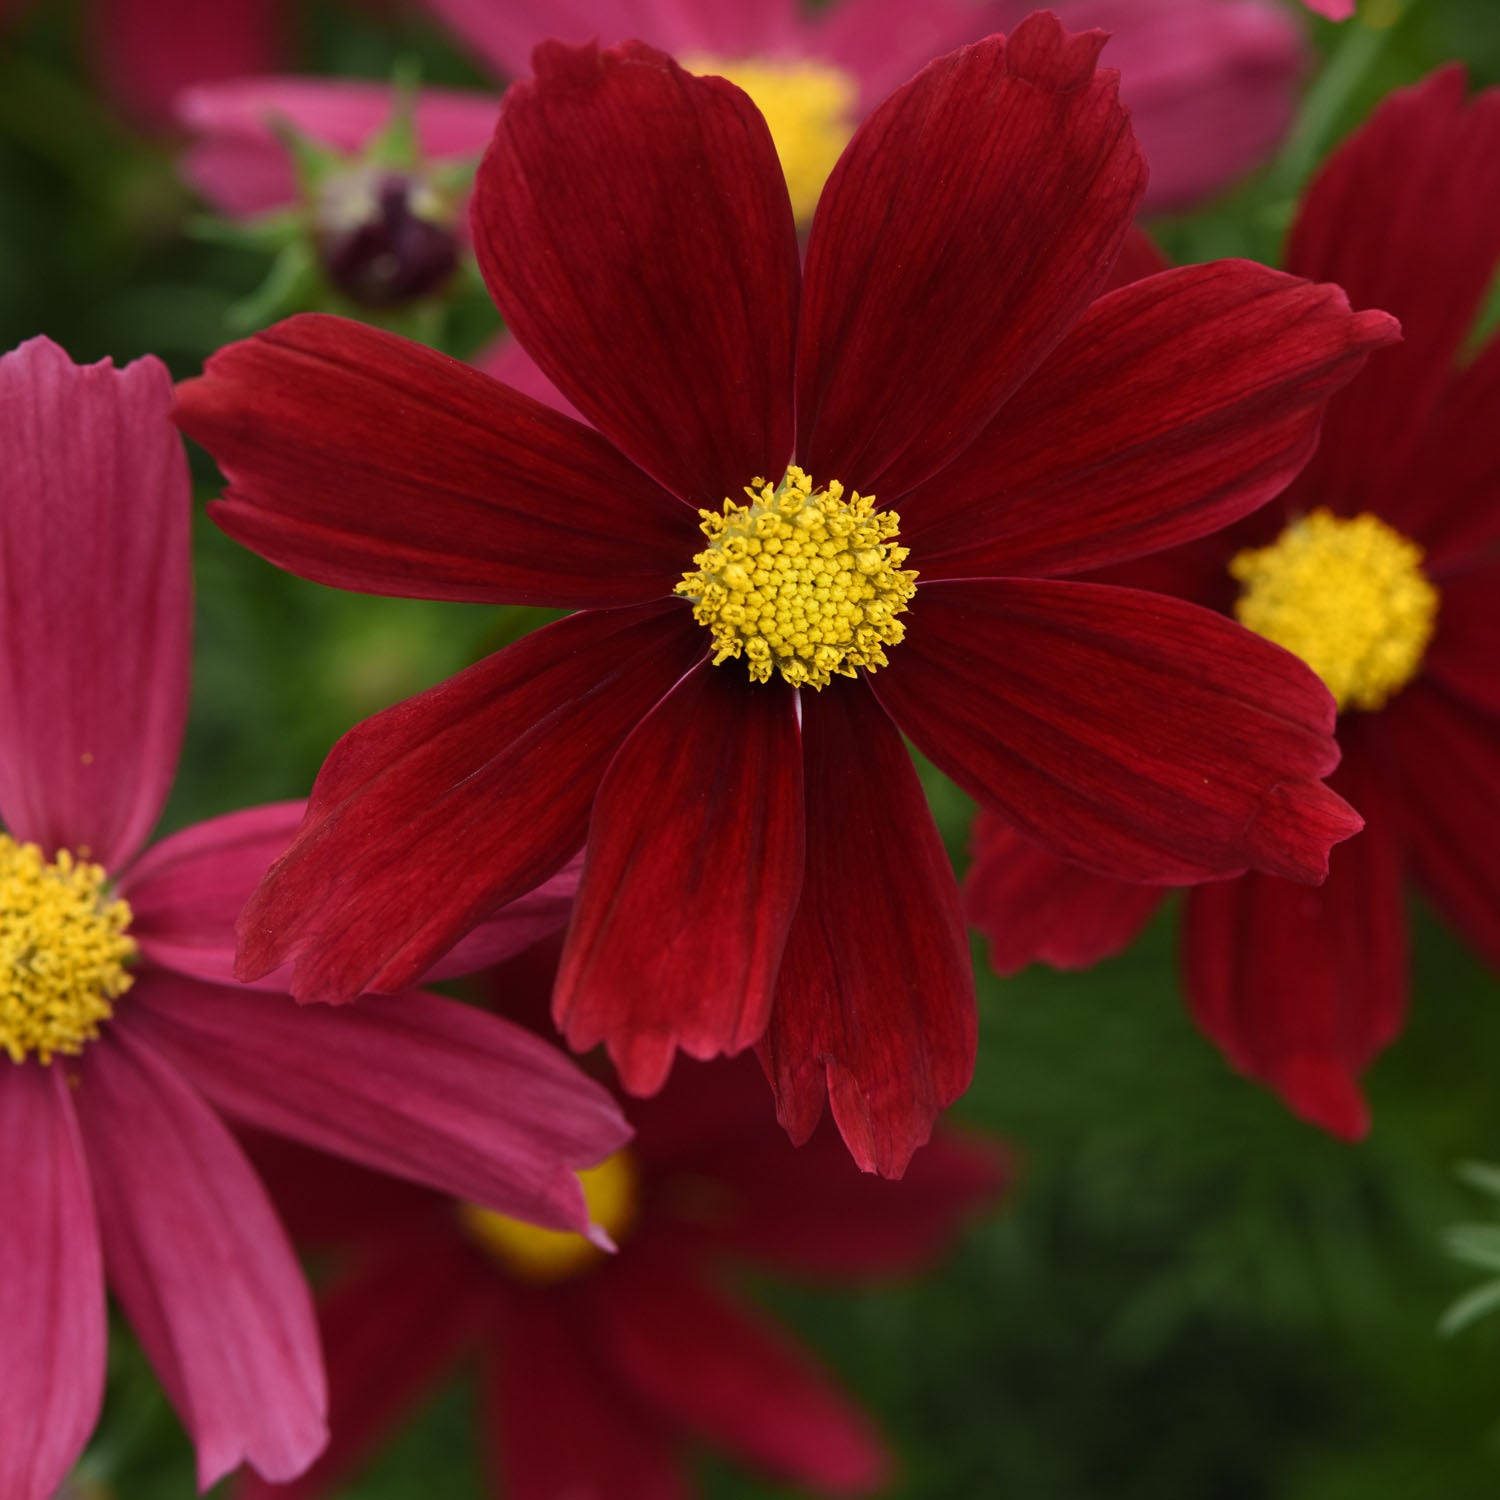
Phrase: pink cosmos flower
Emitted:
{"points": [[598, 1372], [126, 1038], [1211, 83]]}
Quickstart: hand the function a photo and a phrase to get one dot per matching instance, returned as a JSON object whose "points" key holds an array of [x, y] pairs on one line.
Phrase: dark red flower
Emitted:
{"points": [[1381, 564], [598, 1371], [749, 843]]}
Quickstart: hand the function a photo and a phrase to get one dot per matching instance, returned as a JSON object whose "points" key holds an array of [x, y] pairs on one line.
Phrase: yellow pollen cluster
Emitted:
{"points": [[1346, 595], [63, 951], [809, 109], [801, 581], [544, 1256]]}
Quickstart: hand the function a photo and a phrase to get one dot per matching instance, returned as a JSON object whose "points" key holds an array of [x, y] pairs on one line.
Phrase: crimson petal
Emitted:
{"points": [[972, 219], [201, 1265], [431, 815], [693, 868], [414, 1085], [1177, 405], [1138, 735], [362, 460], [633, 226], [51, 1285], [1036, 908], [875, 1006]]}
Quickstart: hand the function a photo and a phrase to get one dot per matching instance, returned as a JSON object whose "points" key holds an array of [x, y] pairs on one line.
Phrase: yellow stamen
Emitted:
{"points": [[809, 108], [801, 581], [1346, 595], [63, 951], [549, 1255]]}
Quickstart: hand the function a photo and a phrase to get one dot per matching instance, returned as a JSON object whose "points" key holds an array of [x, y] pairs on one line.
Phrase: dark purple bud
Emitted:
{"points": [[385, 238]]}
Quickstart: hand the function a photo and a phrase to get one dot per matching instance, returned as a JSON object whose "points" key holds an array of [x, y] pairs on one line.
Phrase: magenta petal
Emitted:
{"points": [[972, 219], [694, 864], [1176, 406], [95, 600], [875, 1006], [201, 1264], [633, 226], [1135, 734], [365, 461], [414, 1085], [1036, 908], [51, 1285], [429, 817]]}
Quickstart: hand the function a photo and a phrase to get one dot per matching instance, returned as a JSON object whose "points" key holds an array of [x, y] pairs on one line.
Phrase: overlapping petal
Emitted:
{"points": [[430, 816], [201, 1266], [1176, 405], [1132, 733], [51, 1286], [694, 864], [633, 227], [1036, 908], [368, 462], [1008, 165], [95, 600], [875, 1007], [414, 1085]]}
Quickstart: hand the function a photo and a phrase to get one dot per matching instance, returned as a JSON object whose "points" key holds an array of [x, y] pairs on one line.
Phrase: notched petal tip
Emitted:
{"points": [[1043, 51], [1295, 829]]}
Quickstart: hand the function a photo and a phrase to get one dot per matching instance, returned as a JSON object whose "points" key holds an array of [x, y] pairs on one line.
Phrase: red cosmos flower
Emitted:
{"points": [[122, 1050], [749, 843], [599, 1371], [1380, 566]]}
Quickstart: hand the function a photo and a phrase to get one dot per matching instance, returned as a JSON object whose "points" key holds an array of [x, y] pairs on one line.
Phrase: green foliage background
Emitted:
{"points": [[1191, 1296]]}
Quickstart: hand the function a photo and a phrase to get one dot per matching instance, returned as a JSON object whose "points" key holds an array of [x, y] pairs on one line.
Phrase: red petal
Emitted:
{"points": [[971, 220], [1404, 216], [1036, 908], [1465, 652], [414, 1085], [633, 226], [95, 602], [1137, 735], [1139, 258], [1442, 762], [506, 361], [876, 1000], [362, 460], [428, 817], [559, 1423], [51, 1285], [200, 1264], [706, 1365], [1301, 987], [693, 868], [1177, 405]]}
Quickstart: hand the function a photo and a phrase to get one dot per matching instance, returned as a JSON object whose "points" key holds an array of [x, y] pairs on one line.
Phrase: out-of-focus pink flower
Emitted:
{"points": [[1210, 83], [1335, 10], [123, 1039]]}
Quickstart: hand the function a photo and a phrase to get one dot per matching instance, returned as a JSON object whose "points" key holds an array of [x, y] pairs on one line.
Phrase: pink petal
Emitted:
{"points": [[633, 227], [1036, 908], [693, 869], [51, 1285], [96, 604], [200, 1264], [414, 1085], [875, 1006], [365, 461], [1335, 10], [428, 818], [1132, 733], [970, 222]]}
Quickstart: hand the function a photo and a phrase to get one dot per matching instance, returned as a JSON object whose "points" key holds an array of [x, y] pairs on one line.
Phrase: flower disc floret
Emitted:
{"points": [[801, 581], [1347, 595], [64, 946]]}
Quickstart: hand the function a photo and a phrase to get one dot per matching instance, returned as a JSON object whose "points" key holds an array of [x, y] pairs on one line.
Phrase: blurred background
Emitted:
{"points": [[1190, 1295]]}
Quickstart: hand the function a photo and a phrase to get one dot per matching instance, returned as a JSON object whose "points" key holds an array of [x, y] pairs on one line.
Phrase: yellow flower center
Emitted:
{"points": [[544, 1256], [809, 108], [801, 581], [63, 951], [1347, 596]]}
